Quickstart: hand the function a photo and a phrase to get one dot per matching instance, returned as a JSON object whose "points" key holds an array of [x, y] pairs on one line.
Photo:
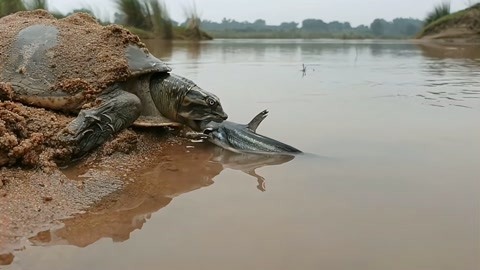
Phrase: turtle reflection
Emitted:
{"points": [[176, 173]]}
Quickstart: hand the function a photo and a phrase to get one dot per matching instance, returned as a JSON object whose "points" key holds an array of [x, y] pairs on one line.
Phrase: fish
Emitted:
{"points": [[243, 138]]}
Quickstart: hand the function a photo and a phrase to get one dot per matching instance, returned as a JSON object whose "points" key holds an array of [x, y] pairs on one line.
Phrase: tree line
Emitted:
{"points": [[398, 28]]}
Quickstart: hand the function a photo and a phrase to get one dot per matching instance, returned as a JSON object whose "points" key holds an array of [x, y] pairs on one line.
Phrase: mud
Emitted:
{"points": [[33, 200]]}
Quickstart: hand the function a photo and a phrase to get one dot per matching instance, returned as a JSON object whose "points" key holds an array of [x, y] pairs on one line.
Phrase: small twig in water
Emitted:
{"points": [[304, 70]]}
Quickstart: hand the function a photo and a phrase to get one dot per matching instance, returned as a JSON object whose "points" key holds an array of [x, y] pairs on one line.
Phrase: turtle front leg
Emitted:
{"points": [[118, 109]]}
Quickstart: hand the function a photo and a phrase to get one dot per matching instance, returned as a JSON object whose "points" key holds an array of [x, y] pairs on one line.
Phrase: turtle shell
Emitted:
{"points": [[65, 63]]}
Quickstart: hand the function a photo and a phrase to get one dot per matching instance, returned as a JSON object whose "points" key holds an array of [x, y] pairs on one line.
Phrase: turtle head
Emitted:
{"points": [[200, 107], [181, 100]]}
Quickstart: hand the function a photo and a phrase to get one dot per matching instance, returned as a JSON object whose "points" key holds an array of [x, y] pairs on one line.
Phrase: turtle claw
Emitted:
{"points": [[93, 117], [67, 137], [106, 116], [196, 135]]}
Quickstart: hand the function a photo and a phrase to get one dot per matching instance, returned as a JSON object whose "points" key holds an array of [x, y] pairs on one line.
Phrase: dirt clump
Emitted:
{"points": [[28, 136], [124, 142]]}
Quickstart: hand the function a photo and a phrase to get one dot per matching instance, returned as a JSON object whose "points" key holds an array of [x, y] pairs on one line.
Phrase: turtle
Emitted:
{"points": [[104, 75]]}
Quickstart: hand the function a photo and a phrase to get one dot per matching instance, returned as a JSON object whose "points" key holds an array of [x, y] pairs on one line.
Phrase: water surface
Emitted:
{"points": [[390, 181]]}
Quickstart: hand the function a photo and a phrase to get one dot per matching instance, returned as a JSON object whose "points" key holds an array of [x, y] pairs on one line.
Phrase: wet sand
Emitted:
{"points": [[32, 200], [28, 137]]}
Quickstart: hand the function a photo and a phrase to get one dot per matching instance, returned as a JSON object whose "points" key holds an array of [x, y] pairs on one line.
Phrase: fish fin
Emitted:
{"points": [[253, 125]]}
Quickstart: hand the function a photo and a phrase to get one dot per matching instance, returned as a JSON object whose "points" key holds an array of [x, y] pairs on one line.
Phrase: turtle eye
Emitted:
{"points": [[210, 101]]}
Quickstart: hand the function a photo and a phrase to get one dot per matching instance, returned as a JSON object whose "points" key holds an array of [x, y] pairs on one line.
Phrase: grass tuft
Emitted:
{"points": [[468, 18], [36, 4], [439, 11], [147, 15], [162, 24], [193, 23], [8, 7], [135, 13]]}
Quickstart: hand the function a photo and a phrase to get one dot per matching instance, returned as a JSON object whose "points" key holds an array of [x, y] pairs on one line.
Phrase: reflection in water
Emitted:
{"points": [[439, 50], [162, 49], [194, 49], [248, 163], [177, 173]]}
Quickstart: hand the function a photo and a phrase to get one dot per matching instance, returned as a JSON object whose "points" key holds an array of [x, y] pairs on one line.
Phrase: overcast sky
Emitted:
{"points": [[276, 11]]}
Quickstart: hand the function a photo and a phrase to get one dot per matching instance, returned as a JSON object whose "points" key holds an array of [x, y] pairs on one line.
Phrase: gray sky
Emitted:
{"points": [[276, 11]]}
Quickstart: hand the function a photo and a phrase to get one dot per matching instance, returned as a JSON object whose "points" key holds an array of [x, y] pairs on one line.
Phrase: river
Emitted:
{"points": [[390, 178]]}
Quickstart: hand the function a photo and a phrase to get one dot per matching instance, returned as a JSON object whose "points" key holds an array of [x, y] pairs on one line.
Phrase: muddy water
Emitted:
{"points": [[390, 179]]}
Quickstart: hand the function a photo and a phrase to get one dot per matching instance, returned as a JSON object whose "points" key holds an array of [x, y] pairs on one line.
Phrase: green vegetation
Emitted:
{"points": [[150, 18], [36, 4], [161, 19], [193, 24], [11, 6], [439, 11], [8, 7], [467, 19], [135, 13]]}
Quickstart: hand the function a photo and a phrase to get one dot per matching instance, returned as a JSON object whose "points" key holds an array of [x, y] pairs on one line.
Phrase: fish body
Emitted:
{"points": [[241, 138]]}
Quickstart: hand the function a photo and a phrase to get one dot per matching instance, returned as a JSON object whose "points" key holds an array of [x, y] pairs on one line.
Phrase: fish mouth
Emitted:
{"points": [[207, 125], [203, 125], [208, 130], [200, 122]]}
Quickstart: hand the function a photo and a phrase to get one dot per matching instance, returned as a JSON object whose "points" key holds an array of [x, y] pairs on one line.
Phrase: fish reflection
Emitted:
{"points": [[177, 172], [248, 163]]}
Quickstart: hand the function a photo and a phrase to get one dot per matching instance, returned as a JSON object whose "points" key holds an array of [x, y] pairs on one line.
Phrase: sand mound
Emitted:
{"points": [[88, 57]]}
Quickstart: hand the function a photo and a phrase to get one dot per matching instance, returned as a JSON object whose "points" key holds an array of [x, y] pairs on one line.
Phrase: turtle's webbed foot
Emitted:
{"points": [[94, 126], [85, 122], [88, 131]]}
